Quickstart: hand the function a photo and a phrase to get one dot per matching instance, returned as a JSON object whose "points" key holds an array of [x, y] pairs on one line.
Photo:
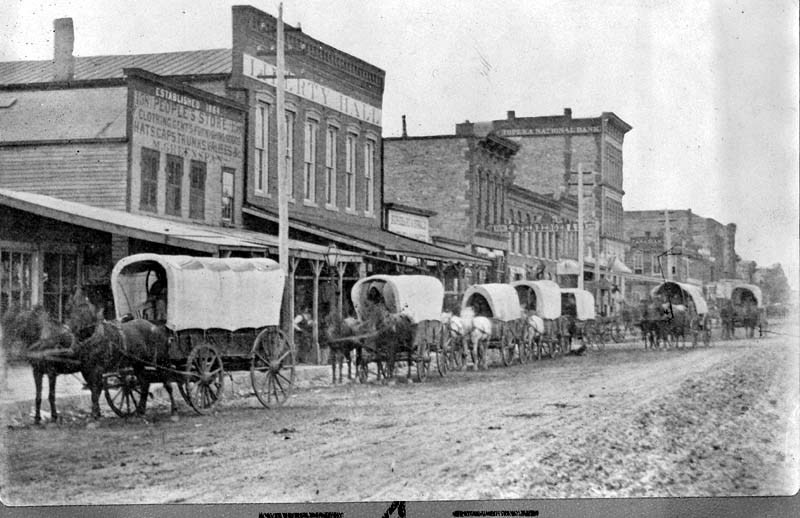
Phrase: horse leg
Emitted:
{"points": [[142, 406], [173, 408], [51, 385], [37, 380], [332, 359], [340, 357]]}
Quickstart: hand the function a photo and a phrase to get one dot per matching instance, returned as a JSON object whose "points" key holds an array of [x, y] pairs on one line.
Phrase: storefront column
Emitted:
{"points": [[317, 269]]}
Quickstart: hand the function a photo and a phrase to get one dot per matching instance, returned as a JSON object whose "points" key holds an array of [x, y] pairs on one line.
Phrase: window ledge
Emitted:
{"points": [[309, 203], [263, 194], [330, 207]]}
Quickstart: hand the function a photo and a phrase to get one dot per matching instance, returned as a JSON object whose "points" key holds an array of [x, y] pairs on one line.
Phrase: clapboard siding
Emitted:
{"points": [[94, 174]]}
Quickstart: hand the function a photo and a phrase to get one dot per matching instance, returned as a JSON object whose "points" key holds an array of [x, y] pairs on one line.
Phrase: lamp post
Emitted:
{"points": [[332, 259]]}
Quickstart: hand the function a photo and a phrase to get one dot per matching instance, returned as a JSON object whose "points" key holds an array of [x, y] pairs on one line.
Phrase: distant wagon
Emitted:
{"points": [[401, 317], [500, 304], [222, 314], [748, 311], [685, 311], [578, 317], [541, 298]]}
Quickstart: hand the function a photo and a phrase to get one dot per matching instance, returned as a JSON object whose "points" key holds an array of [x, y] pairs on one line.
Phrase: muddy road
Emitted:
{"points": [[716, 421]]}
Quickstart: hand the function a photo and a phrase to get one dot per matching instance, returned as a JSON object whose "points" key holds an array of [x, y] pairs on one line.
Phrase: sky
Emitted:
{"points": [[710, 87]]}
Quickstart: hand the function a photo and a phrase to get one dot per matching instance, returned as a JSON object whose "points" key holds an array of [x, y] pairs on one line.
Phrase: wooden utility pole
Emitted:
{"points": [[580, 225], [668, 244], [283, 187]]}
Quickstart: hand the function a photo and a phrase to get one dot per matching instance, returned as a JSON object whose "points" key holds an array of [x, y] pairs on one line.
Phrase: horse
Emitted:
{"points": [[675, 324], [652, 325], [477, 330], [102, 346], [750, 320], [340, 337], [36, 332]]}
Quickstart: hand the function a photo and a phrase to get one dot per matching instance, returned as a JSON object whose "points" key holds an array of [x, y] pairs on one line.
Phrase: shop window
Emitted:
{"points": [[149, 187], [16, 279], [227, 194], [60, 277], [197, 190], [174, 182]]}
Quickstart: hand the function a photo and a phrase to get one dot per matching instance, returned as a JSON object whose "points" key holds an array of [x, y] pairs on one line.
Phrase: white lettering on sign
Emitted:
{"points": [[315, 92], [409, 225], [521, 132], [177, 127]]}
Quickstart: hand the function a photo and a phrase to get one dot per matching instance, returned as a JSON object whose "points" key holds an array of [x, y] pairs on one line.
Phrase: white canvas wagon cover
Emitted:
{"points": [[203, 292], [584, 302], [686, 290], [739, 289], [419, 296], [548, 297], [502, 300]]}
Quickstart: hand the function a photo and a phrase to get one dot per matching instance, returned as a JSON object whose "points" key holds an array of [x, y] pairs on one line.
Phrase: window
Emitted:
{"points": [[227, 193], [310, 152], [60, 278], [655, 267], [174, 181], [369, 175], [197, 190], [479, 204], [330, 165], [149, 165], [638, 263], [350, 172], [16, 279], [290, 153], [260, 169]]}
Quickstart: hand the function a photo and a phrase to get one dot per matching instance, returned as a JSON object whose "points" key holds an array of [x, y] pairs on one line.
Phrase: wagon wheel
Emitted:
{"points": [[272, 363], [507, 344], [443, 355], [123, 392], [204, 378]]}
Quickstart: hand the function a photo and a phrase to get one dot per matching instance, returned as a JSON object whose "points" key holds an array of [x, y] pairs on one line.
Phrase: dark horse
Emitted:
{"points": [[106, 347], [35, 333]]}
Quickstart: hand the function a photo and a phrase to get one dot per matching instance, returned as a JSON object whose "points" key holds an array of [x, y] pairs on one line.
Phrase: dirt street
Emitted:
{"points": [[621, 422]]}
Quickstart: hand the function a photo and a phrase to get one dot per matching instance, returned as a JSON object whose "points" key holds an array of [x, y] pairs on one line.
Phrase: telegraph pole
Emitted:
{"points": [[580, 225], [668, 244], [283, 187]]}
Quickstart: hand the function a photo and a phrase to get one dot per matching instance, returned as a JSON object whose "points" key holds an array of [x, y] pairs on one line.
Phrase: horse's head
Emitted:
{"points": [[84, 318]]}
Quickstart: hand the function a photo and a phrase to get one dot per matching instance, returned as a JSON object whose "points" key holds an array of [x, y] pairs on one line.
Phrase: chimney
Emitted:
{"points": [[568, 113], [64, 40], [405, 134], [511, 115]]}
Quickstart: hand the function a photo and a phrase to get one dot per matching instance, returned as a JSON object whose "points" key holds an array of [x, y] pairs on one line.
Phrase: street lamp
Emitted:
{"points": [[332, 256]]}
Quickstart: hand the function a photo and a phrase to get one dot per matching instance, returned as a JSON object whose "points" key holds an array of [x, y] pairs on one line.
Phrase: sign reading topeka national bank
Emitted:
{"points": [[173, 122], [265, 72]]}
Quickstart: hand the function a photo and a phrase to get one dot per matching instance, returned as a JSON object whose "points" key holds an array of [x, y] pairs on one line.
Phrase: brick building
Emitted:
{"points": [[465, 179], [703, 249], [551, 149]]}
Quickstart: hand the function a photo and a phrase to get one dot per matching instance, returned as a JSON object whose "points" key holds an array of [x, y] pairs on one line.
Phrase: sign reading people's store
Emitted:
{"points": [[174, 122]]}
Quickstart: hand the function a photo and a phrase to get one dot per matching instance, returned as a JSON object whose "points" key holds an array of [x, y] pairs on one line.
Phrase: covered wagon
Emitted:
{"points": [[541, 298], [500, 304]]}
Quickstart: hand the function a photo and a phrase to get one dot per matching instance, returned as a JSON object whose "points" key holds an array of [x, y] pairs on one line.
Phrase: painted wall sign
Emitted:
{"points": [[175, 123], [410, 225], [570, 130], [265, 72]]}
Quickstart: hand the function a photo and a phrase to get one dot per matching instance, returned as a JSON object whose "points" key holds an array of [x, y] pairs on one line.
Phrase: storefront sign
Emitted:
{"points": [[410, 225], [540, 227], [315, 92], [179, 124]]}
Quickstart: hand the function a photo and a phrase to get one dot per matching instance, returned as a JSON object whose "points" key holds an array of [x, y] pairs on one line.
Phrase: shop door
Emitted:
{"points": [[60, 279]]}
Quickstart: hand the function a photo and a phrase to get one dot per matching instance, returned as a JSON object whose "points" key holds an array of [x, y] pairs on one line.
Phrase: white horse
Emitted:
{"points": [[477, 330], [534, 330]]}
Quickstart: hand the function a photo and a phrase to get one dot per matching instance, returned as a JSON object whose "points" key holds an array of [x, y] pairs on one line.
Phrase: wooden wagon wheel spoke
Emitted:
{"points": [[123, 392], [204, 377], [272, 366]]}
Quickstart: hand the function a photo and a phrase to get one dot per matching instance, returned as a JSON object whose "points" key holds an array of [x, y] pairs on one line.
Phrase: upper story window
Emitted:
{"points": [[369, 176], [655, 266], [149, 187], [197, 190], [331, 138], [260, 169], [310, 161], [174, 183], [350, 171], [227, 193], [290, 153]]}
